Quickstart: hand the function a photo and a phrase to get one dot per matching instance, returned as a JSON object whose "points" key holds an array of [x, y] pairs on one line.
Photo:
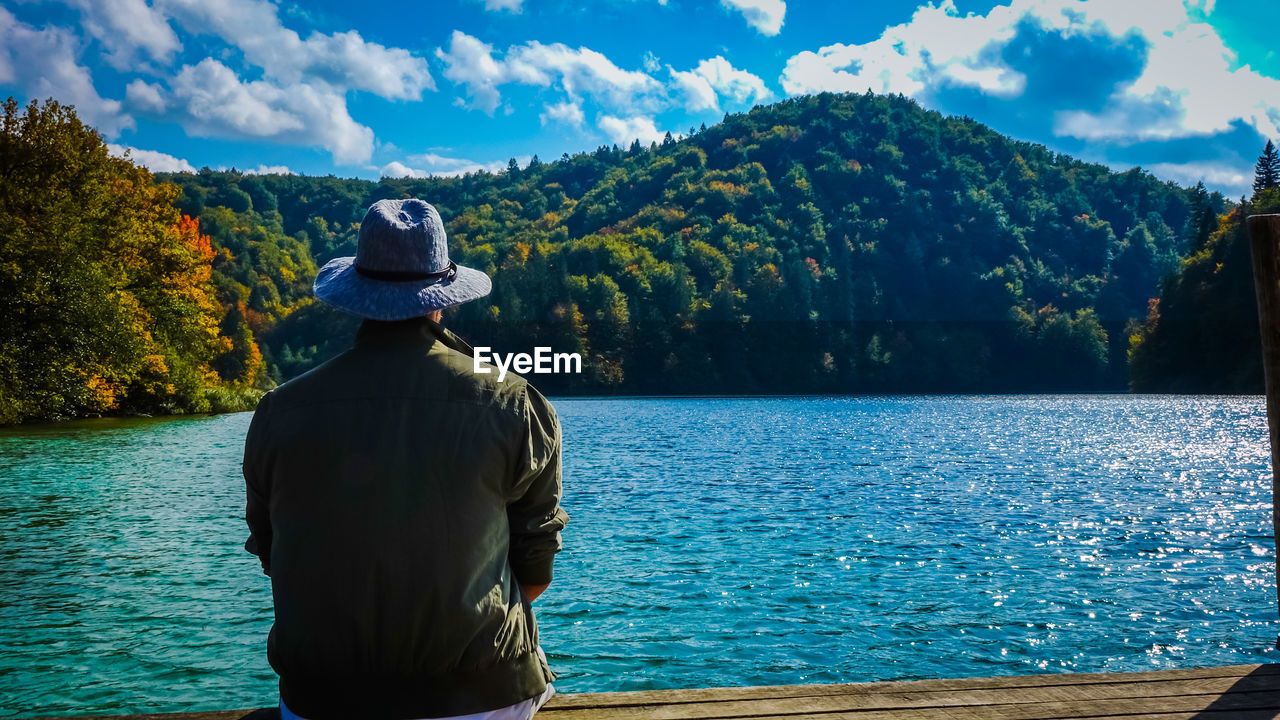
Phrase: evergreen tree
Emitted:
{"points": [[1266, 173]]}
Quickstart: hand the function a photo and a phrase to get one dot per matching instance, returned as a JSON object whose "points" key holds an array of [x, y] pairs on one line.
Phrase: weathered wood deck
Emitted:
{"points": [[1238, 692]]}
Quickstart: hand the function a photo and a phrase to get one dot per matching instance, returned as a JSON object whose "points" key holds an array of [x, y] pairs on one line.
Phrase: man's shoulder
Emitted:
{"points": [[446, 374], [311, 383]]}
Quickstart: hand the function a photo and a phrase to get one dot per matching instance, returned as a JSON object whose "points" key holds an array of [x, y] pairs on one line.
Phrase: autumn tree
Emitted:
{"points": [[105, 302]]}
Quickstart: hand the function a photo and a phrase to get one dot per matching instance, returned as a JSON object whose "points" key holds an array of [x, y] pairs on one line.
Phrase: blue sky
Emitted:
{"points": [[1189, 90]]}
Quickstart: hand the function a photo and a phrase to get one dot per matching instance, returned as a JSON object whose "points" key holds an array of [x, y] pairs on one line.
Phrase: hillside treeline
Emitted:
{"points": [[834, 243], [1201, 334]]}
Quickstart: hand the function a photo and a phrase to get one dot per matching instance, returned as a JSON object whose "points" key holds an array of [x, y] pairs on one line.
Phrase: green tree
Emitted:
{"points": [[1266, 173], [105, 299]]}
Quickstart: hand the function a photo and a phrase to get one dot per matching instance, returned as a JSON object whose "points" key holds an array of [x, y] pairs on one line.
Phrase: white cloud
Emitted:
{"points": [[579, 73], [469, 62], [126, 26], [343, 60], [145, 97], [1186, 87], [568, 113], [934, 48], [43, 63], [433, 165], [715, 78], [512, 6], [766, 16], [1226, 176], [270, 170], [397, 169], [624, 131], [151, 159], [698, 94], [209, 99]]}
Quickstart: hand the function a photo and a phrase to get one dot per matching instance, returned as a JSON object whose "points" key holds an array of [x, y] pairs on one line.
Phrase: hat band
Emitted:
{"points": [[403, 275]]}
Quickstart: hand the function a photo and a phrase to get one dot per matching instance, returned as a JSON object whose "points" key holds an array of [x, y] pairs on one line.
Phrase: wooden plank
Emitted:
{"points": [[1201, 715], [1263, 690], [1231, 705], [643, 697], [1242, 691]]}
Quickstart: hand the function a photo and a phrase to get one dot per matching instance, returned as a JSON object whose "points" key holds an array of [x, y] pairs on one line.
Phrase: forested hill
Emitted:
{"points": [[834, 243]]}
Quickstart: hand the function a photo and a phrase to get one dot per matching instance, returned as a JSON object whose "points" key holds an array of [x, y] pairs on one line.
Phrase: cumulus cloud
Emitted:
{"points": [[764, 15], [717, 78], [583, 71], [43, 63], [511, 6], [209, 99], [150, 159], [624, 131], [126, 29], [433, 165], [569, 113], [1143, 70], [936, 47], [1224, 175], [298, 98], [578, 72], [270, 170], [343, 60], [145, 97], [696, 90], [469, 62]]}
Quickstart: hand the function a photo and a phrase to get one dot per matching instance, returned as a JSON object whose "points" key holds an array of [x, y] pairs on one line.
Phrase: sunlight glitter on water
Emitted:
{"points": [[724, 541]]}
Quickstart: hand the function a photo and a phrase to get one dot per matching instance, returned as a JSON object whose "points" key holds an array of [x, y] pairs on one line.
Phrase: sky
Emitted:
{"points": [[1189, 90]]}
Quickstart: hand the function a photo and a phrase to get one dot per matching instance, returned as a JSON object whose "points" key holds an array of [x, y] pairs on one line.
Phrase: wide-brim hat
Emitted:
{"points": [[401, 268]]}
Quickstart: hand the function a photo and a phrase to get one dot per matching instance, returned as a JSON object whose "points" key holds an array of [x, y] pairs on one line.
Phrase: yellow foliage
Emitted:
{"points": [[103, 395]]}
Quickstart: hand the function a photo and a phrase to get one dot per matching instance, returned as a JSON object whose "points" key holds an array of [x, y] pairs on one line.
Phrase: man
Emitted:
{"points": [[405, 507]]}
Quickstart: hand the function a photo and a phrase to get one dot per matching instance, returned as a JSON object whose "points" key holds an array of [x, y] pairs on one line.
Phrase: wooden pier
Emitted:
{"points": [[1238, 692]]}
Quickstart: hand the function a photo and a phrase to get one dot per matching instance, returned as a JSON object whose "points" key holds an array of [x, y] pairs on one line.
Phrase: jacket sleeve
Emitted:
{"points": [[534, 515], [258, 486]]}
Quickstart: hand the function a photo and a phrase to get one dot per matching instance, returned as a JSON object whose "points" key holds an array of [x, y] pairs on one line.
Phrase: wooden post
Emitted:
{"points": [[1264, 245]]}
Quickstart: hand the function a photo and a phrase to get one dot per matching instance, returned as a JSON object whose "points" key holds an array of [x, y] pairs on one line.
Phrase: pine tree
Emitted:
{"points": [[1266, 173]]}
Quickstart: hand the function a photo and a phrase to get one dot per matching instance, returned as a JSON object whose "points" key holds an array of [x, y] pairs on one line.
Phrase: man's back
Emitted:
{"points": [[398, 500]]}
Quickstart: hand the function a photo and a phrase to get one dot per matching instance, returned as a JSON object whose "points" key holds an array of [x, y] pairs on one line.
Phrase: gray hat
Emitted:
{"points": [[401, 269]]}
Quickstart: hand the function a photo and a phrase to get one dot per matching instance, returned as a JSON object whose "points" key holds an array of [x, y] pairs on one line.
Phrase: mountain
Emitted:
{"points": [[829, 243]]}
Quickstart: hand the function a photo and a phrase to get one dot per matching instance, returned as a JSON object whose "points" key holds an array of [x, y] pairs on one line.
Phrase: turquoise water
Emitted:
{"points": [[735, 541]]}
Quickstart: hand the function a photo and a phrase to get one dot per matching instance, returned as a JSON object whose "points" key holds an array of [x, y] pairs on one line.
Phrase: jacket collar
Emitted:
{"points": [[415, 331]]}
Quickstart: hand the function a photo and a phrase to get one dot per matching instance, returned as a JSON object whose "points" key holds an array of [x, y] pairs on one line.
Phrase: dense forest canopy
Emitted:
{"points": [[1201, 334], [106, 304], [829, 243], [833, 243]]}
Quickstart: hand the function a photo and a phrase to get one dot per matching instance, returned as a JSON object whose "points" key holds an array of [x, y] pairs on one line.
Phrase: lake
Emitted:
{"points": [[713, 541]]}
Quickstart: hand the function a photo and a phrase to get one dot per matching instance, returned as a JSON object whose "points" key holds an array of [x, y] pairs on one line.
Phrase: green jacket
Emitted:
{"points": [[397, 499]]}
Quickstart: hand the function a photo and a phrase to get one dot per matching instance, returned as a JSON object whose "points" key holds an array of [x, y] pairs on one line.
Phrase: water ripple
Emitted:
{"points": [[730, 541]]}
